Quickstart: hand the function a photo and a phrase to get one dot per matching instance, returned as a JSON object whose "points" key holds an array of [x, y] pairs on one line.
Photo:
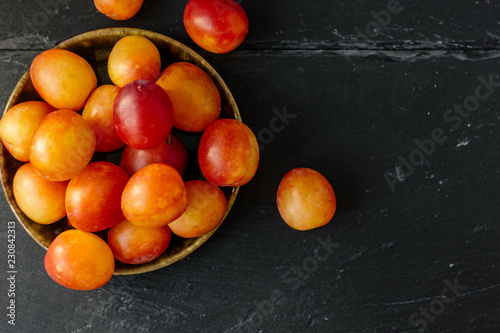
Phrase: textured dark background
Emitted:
{"points": [[359, 105]]}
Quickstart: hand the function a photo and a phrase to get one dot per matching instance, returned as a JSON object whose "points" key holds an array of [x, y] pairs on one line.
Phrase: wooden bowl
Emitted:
{"points": [[95, 47]]}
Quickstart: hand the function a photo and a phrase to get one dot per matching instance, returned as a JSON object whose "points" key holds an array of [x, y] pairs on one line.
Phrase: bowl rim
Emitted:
{"points": [[123, 31]]}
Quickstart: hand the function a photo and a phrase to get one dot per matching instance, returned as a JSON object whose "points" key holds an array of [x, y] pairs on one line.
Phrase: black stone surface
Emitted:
{"points": [[422, 256]]}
